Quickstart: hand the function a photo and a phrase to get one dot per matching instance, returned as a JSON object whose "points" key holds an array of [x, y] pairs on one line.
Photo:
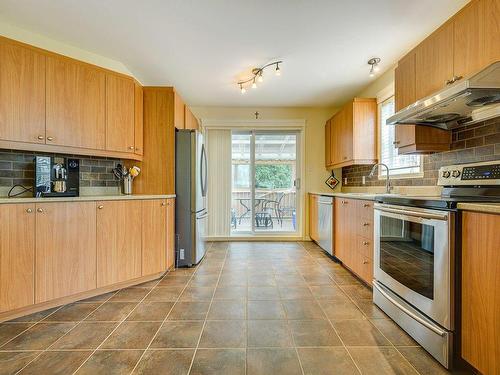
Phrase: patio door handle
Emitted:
{"points": [[296, 183]]}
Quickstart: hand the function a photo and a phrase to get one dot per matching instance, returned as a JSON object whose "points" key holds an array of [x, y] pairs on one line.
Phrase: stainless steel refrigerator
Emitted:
{"points": [[191, 213]]}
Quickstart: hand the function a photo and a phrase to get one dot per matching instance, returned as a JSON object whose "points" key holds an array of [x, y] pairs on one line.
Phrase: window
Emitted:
{"points": [[399, 165]]}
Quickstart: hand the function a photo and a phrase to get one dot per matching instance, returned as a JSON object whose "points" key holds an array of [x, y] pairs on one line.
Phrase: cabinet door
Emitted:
{"points": [[404, 82], [65, 249], [328, 144], [17, 256], [139, 120], [119, 228], [170, 233], [434, 62], [491, 9], [22, 94], [191, 122], [346, 134], [154, 236], [343, 241], [404, 135], [75, 104], [179, 112], [480, 292], [336, 138], [313, 217], [120, 113]]}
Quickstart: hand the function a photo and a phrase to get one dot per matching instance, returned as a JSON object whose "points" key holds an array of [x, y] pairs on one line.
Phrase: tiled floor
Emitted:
{"points": [[249, 308]]}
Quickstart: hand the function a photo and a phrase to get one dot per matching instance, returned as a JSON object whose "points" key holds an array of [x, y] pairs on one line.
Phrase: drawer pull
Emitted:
{"points": [[366, 243], [366, 205], [29, 210], [131, 147], [100, 207], [41, 137], [39, 210], [50, 139], [365, 262], [163, 204], [366, 224]]}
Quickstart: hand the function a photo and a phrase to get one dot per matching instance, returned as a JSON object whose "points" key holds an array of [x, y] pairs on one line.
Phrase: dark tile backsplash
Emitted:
{"points": [[17, 167], [472, 143]]}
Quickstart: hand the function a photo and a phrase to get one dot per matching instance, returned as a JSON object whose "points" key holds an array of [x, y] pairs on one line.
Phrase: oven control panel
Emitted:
{"points": [[482, 173]]}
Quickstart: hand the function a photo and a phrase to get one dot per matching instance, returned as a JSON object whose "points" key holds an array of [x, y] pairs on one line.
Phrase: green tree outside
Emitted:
{"points": [[278, 176]]}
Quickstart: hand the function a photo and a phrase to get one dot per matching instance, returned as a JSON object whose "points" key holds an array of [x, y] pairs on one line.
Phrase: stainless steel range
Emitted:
{"points": [[416, 252]]}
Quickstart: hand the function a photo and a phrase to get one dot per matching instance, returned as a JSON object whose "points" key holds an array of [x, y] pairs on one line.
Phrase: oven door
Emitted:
{"points": [[414, 258]]}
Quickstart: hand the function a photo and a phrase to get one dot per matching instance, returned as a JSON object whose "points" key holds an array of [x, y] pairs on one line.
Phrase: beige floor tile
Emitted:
{"points": [[130, 295], [326, 361], [303, 309], [10, 330], [151, 311], [263, 293], [423, 361], [56, 363], [36, 317], [225, 310], [165, 362], [38, 337], [165, 294], [230, 293], [375, 361], [340, 310], [265, 310], [272, 361], [189, 311], [313, 333], [219, 361], [268, 333], [86, 335], [330, 293], [174, 280], [74, 312], [178, 334], [197, 293], [359, 333], [295, 293], [12, 362], [224, 334], [112, 311], [131, 335], [111, 362], [393, 332]]}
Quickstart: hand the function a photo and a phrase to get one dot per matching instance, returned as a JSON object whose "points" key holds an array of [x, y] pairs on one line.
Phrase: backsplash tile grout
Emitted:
{"points": [[471, 143]]}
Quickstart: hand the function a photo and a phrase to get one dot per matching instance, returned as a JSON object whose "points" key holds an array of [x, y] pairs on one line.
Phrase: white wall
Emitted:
{"points": [[314, 144], [40, 41]]}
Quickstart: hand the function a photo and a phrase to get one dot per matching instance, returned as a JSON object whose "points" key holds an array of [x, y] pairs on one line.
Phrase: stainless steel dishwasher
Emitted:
{"points": [[325, 223]]}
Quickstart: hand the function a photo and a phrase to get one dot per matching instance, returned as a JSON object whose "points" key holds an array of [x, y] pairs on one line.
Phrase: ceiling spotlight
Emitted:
{"points": [[374, 68], [258, 76]]}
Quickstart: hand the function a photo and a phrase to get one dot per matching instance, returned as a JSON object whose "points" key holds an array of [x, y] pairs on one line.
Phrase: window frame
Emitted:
{"points": [[382, 96]]}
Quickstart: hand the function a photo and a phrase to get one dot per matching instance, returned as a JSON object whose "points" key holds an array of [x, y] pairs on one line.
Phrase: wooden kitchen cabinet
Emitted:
{"points": [[352, 133], [434, 61], [139, 119], [119, 241], [171, 233], [191, 122], [354, 236], [154, 236], [65, 249], [480, 293], [120, 114], [75, 104], [179, 111], [313, 217], [22, 93], [404, 82], [17, 256]]}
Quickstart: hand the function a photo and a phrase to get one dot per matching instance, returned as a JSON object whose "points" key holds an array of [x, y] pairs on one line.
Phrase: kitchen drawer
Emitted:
{"points": [[365, 228], [365, 209], [364, 268], [364, 246]]}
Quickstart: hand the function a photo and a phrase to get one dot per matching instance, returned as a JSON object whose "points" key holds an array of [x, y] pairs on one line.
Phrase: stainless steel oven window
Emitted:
{"points": [[407, 253]]}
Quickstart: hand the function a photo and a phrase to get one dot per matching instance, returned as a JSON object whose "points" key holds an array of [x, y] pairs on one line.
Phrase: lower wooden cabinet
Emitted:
{"points": [[480, 291], [154, 236], [170, 233], [313, 217], [65, 249], [17, 256], [354, 236], [119, 241]]}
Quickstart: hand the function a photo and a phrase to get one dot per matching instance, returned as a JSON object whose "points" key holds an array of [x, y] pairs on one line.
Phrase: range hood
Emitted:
{"points": [[474, 99]]}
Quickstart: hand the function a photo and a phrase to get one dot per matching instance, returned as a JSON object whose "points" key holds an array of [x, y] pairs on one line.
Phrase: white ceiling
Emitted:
{"points": [[202, 47]]}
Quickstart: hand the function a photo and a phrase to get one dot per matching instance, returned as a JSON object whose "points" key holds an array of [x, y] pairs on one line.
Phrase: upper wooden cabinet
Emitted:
{"points": [[120, 113], [75, 104], [119, 241], [52, 103], [179, 112], [352, 134], [65, 259], [191, 122], [434, 61], [17, 256], [404, 82], [22, 93]]}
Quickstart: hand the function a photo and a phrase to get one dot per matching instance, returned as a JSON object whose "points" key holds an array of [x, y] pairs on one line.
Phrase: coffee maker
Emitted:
{"points": [[56, 176]]}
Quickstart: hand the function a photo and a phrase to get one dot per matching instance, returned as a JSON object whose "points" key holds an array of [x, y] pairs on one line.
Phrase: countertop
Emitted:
{"points": [[85, 198], [364, 196], [492, 208]]}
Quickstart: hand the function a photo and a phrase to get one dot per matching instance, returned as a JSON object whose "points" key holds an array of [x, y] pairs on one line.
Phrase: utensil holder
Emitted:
{"points": [[127, 185]]}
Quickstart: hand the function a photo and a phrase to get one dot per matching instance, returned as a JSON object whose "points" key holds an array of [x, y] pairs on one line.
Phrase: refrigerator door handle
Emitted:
{"points": [[203, 171]]}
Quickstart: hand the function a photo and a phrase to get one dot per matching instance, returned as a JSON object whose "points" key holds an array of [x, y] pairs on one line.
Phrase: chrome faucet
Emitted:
{"points": [[388, 186]]}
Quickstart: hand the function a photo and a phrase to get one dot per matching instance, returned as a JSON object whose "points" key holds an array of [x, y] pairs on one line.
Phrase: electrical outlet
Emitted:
{"points": [[345, 180], [364, 180], [181, 254]]}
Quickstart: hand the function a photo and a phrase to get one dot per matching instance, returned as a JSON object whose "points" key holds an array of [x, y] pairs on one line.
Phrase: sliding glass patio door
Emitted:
{"points": [[265, 181]]}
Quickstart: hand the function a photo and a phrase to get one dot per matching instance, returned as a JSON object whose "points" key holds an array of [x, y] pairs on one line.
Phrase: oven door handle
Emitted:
{"points": [[425, 323], [423, 215]]}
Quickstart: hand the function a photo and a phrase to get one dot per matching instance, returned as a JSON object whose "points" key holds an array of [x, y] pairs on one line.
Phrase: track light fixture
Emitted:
{"points": [[374, 68], [258, 76]]}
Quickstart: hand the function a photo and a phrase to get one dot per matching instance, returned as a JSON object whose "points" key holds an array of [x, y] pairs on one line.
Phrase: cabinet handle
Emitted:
{"points": [[366, 224], [457, 78], [130, 147], [365, 262], [396, 143], [41, 137], [50, 138], [100, 207], [137, 149], [345, 157], [168, 203], [163, 204], [366, 205], [366, 243], [39, 210], [29, 210], [448, 81]]}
